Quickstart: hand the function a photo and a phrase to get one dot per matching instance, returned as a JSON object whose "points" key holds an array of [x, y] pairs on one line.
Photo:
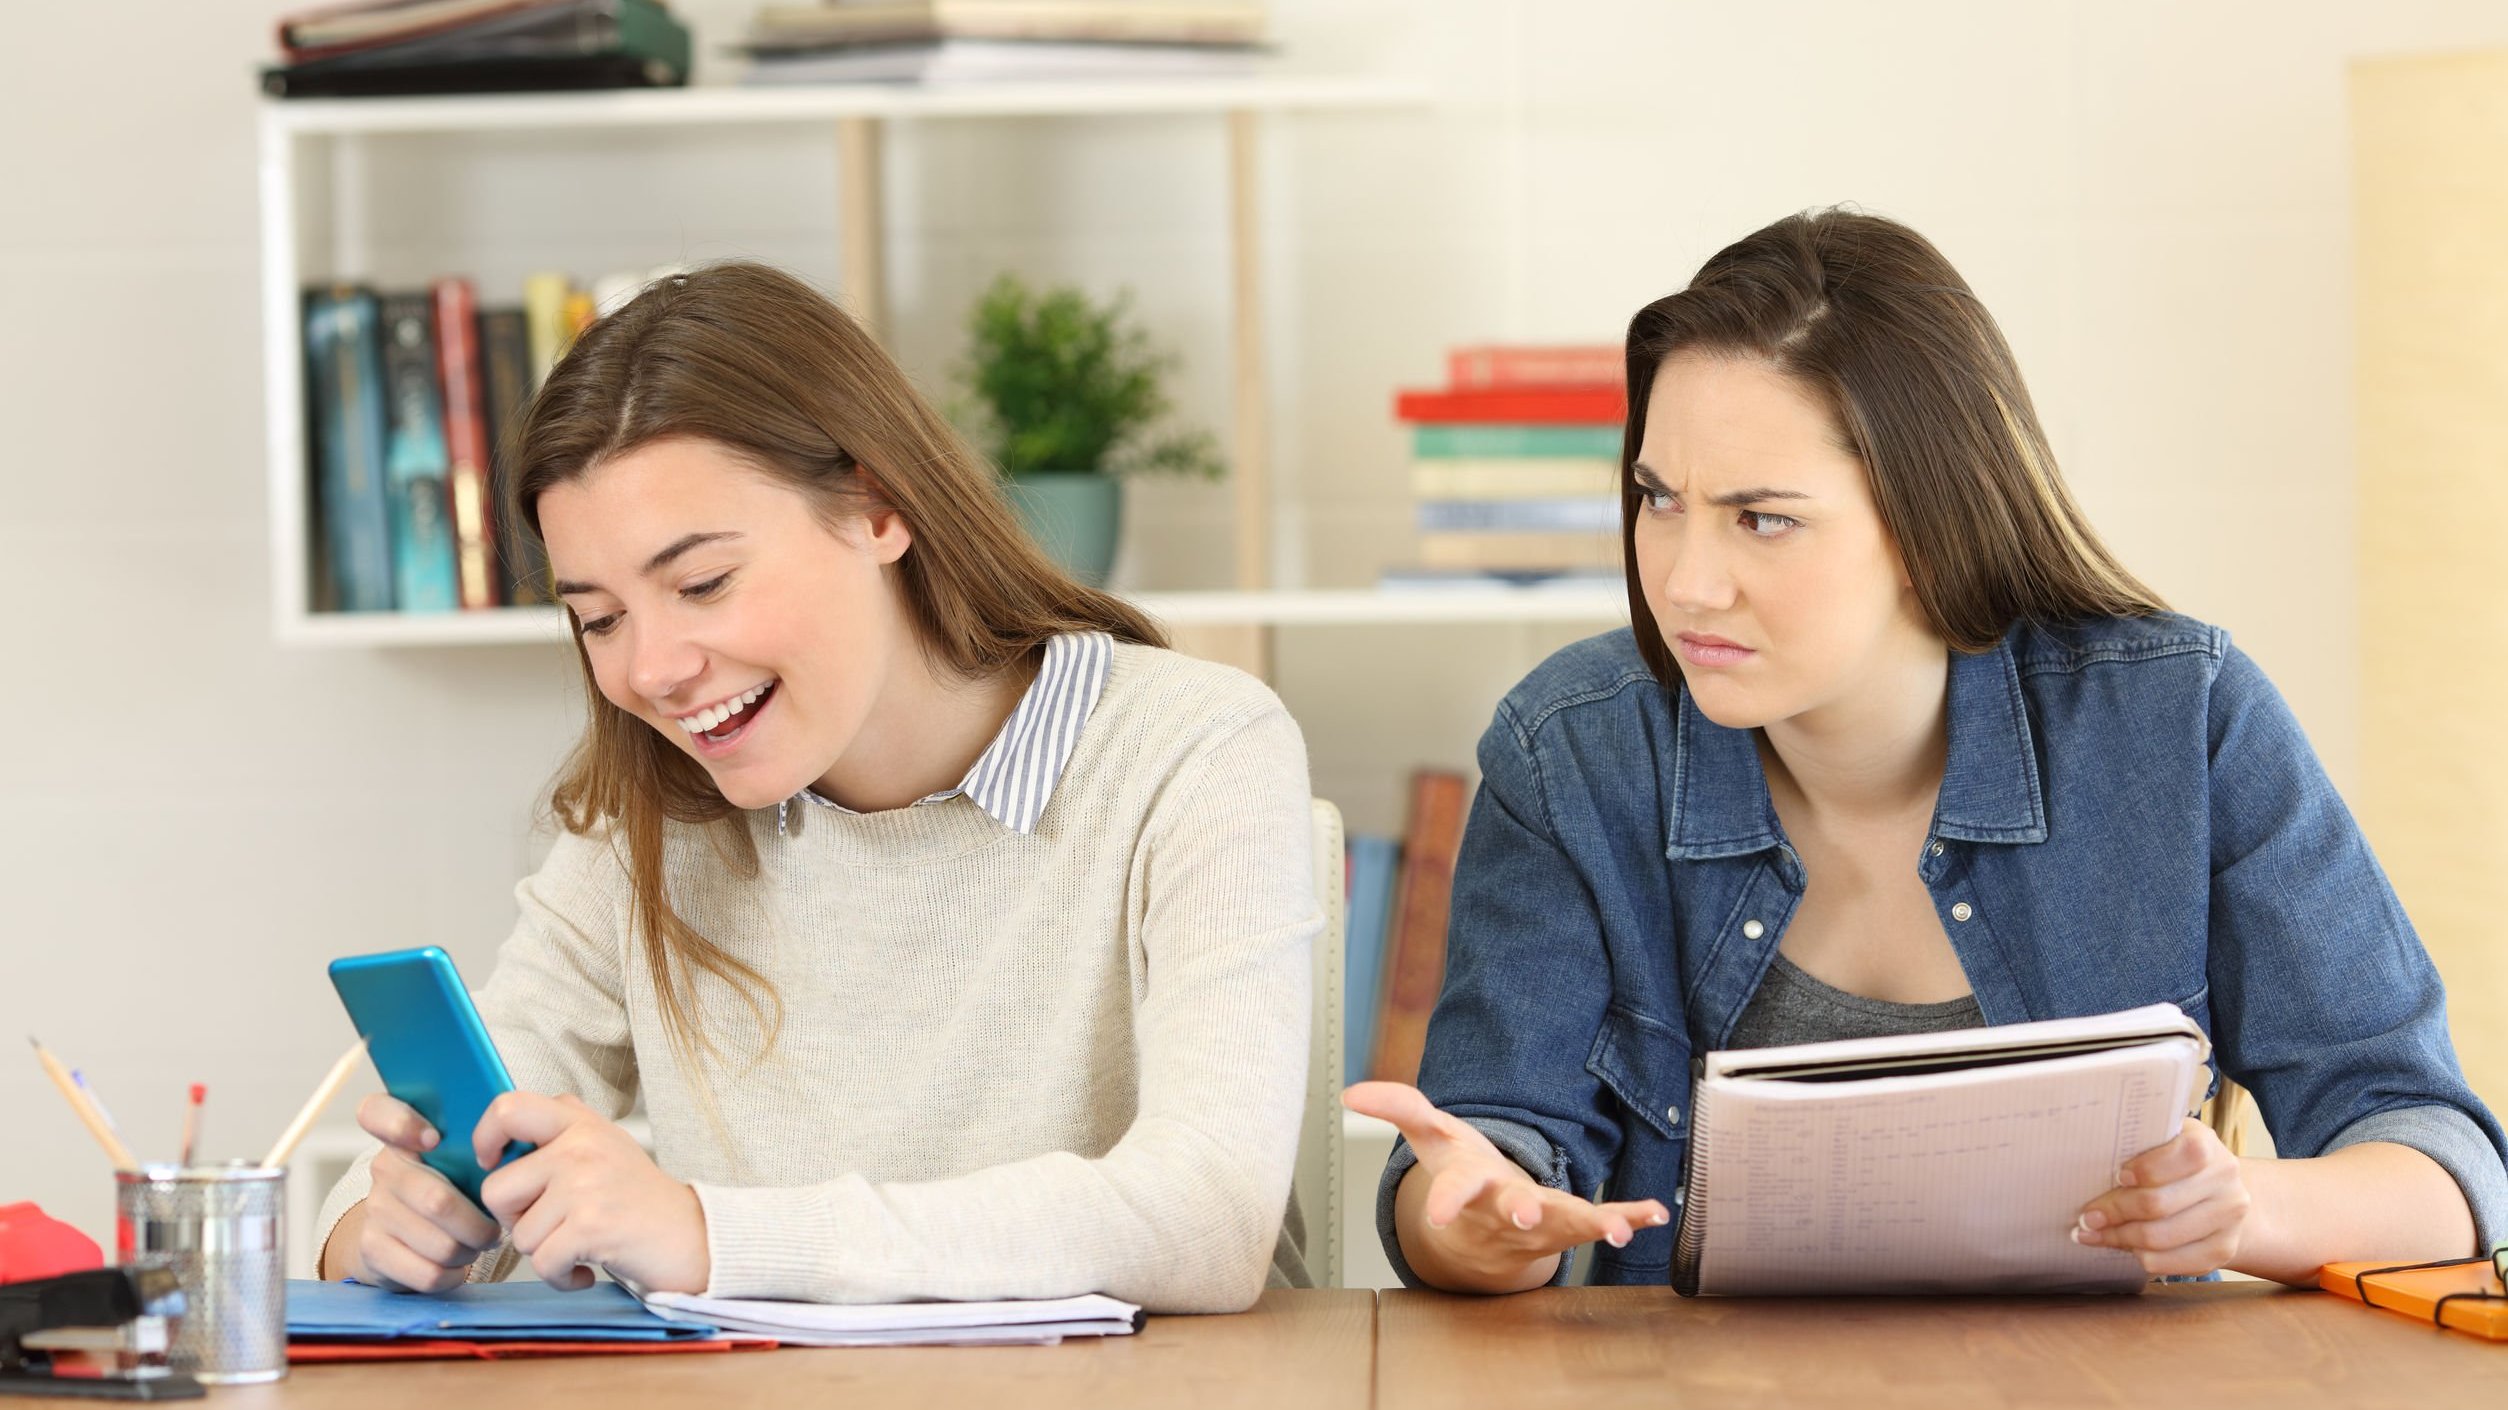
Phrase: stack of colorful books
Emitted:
{"points": [[374, 48], [1515, 464], [409, 396]]}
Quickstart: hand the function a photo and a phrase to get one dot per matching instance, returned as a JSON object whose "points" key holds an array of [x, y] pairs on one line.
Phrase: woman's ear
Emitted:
{"points": [[885, 533]]}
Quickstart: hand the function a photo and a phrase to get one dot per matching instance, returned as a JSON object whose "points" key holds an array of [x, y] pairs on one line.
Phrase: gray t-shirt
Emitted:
{"points": [[1792, 1007]]}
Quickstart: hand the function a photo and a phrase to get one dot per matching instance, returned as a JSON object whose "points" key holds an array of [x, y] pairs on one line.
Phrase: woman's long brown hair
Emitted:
{"points": [[1870, 317], [754, 360]]}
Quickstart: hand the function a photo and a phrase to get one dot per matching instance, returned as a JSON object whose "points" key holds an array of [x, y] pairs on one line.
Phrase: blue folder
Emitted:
{"points": [[531, 1311]]}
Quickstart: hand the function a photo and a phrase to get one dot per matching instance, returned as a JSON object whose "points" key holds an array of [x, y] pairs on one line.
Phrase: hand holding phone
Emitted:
{"points": [[415, 1232]]}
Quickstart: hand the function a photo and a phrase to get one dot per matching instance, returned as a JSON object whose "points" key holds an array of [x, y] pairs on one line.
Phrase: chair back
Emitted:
{"points": [[1319, 1177]]}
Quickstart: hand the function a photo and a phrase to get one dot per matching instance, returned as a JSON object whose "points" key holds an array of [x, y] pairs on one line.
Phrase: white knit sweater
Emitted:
{"points": [[1010, 1066]]}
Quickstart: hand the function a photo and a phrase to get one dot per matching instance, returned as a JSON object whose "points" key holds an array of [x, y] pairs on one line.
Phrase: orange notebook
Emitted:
{"points": [[2463, 1294]]}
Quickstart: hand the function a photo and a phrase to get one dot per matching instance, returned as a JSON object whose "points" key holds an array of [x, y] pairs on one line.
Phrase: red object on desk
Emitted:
{"points": [[33, 1245]]}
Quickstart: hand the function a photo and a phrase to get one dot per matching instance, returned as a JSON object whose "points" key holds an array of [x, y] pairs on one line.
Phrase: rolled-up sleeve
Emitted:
{"points": [[2324, 1003]]}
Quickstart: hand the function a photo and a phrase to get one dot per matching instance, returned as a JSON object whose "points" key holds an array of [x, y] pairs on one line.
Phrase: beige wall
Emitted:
{"points": [[2153, 197], [2431, 138]]}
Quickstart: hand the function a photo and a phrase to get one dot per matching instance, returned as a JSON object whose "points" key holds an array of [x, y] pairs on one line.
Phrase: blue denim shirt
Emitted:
{"points": [[2129, 814]]}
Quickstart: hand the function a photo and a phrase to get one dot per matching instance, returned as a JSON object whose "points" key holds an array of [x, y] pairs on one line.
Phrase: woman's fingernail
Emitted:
{"points": [[2076, 1235], [1662, 1219], [2093, 1220], [1519, 1221], [427, 1140], [2125, 1177], [1618, 1239]]}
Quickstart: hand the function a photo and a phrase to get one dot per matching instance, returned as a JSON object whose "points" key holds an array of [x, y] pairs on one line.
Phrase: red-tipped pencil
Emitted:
{"points": [[191, 1123]]}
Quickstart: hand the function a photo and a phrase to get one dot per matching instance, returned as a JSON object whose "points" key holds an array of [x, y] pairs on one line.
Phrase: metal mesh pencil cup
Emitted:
{"points": [[220, 1231]]}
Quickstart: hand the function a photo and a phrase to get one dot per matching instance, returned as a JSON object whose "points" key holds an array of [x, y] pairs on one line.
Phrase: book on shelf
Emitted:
{"points": [[951, 61], [1523, 477], [544, 306], [545, 45], [334, 29], [1496, 441], [1517, 365], [506, 382], [1504, 551], [1579, 406], [1574, 580], [1374, 865], [345, 416], [466, 476], [1582, 514], [414, 459], [780, 27], [1415, 955]]}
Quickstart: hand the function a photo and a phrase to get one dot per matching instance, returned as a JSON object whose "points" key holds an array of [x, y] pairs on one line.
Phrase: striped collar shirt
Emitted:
{"points": [[1017, 772]]}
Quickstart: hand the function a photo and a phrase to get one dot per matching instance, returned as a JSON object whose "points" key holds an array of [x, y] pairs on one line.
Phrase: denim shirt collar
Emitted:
{"points": [[1990, 789]]}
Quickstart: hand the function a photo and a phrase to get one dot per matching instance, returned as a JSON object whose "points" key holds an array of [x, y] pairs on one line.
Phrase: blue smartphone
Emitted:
{"points": [[432, 1051]]}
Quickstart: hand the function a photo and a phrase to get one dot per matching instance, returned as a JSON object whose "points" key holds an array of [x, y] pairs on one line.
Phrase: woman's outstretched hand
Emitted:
{"points": [[1469, 1218]]}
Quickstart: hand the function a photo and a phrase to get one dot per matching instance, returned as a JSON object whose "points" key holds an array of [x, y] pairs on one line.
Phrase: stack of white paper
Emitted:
{"points": [[1934, 1162], [1024, 1323]]}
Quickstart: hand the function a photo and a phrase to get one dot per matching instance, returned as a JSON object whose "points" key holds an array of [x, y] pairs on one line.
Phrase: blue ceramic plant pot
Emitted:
{"points": [[1074, 517]]}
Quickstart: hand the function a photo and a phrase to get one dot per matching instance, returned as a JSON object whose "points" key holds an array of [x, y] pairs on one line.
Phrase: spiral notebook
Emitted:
{"points": [[1929, 1163]]}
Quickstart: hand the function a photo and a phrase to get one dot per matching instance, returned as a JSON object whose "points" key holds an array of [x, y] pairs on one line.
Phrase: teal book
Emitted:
{"points": [[352, 519], [425, 560], [1374, 863], [1591, 514], [1478, 440]]}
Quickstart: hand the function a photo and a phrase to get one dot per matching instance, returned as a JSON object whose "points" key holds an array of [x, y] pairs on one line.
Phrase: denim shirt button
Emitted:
{"points": [[1752, 930], [1962, 911], [1672, 1114], [1935, 849]]}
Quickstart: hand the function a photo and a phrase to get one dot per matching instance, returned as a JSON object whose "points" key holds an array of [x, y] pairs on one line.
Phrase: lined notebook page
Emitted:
{"points": [[1959, 1181]]}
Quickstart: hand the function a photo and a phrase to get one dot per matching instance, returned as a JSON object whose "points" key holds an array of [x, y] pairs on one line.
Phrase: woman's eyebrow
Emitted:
{"points": [[1730, 499], [657, 562]]}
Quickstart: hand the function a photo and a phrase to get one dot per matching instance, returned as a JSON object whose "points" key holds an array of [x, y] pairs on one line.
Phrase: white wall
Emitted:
{"points": [[2151, 196]]}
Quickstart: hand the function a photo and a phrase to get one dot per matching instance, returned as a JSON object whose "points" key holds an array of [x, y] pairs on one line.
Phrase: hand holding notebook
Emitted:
{"points": [[1933, 1162]]}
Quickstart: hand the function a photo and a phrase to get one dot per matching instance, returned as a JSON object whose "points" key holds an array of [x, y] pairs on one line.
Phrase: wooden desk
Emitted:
{"points": [[2206, 1347], [1311, 1350]]}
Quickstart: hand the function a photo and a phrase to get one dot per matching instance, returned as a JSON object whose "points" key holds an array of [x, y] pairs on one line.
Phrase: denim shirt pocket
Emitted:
{"points": [[1644, 1063]]}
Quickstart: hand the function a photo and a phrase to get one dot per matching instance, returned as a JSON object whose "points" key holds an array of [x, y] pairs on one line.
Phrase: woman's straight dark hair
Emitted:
{"points": [[1870, 317]]}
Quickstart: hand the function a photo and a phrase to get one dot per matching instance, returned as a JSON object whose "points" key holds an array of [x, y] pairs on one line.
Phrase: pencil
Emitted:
{"points": [[314, 1104], [191, 1123], [86, 1110]]}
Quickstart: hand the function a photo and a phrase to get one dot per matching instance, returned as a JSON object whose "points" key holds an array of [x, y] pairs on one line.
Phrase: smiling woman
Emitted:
{"points": [[953, 933], [1895, 744]]}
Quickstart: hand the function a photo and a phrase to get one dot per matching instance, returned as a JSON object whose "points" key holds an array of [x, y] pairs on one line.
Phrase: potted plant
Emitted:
{"points": [[1067, 396]]}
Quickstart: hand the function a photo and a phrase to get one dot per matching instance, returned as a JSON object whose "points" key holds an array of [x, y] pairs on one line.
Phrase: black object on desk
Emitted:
{"points": [[103, 1298]]}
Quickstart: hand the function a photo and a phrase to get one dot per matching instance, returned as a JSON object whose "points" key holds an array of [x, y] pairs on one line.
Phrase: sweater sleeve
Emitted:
{"points": [[555, 1003], [1181, 1215]]}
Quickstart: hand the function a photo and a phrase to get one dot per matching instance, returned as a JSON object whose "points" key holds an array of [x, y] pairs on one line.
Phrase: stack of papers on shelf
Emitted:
{"points": [[1025, 1323]]}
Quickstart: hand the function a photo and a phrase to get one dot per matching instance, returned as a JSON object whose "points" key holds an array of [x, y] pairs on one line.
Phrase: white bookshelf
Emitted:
{"points": [[1268, 608], [300, 139]]}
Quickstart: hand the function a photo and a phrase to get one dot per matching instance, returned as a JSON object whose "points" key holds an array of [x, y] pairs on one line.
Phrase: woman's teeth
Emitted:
{"points": [[706, 720]]}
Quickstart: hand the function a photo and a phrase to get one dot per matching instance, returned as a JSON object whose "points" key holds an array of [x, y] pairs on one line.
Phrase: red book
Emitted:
{"points": [[1415, 957], [1501, 365], [466, 442], [1584, 406]]}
